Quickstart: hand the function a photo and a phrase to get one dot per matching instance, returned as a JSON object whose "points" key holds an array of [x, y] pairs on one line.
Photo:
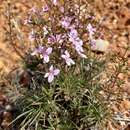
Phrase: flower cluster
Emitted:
{"points": [[44, 53], [60, 34], [53, 39], [66, 22], [76, 42], [91, 31]]}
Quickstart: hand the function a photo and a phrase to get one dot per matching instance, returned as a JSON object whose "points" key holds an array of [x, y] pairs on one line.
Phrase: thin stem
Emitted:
{"points": [[10, 34]]}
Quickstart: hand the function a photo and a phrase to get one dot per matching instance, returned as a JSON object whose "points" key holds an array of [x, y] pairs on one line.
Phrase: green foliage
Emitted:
{"points": [[72, 102]]}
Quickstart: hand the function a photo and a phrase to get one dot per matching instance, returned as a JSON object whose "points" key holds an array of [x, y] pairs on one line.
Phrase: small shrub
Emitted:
{"points": [[62, 85], [72, 101]]}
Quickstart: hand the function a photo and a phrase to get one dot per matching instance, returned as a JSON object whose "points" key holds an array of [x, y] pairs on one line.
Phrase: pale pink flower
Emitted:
{"points": [[62, 9], [45, 8], [31, 36], [82, 55], [91, 30], [44, 53], [37, 50], [27, 21], [52, 72], [79, 48], [78, 45], [73, 35], [91, 17], [45, 31], [67, 58], [55, 2], [76, 42], [33, 10], [65, 22], [56, 38], [93, 42], [51, 39]]}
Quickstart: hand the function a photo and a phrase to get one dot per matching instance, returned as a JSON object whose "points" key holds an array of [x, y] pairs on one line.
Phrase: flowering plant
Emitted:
{"points": [[57, 33], [63, 87]]}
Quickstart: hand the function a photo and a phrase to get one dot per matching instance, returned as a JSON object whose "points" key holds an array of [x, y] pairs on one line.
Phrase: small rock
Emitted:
{"points": [[8, 108], [100, 45]]}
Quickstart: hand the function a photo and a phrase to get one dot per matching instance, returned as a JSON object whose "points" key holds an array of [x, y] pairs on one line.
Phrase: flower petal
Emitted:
{"points": [[58, 37], [67, 53], [34, 52], [78, 48], [55, 2], [49, 50], [46, 75], [46, 58], [45, 8], [82, 55], [73, 34], [64, 57], [51, 68], [50, 78], [90, 29], [69, 61], [56, 71], [40, 49]]}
